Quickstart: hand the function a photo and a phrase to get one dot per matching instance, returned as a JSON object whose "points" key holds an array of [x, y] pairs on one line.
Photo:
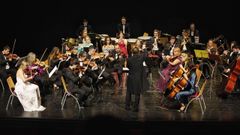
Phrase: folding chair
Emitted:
{"points": [[11, 86], [199, 97], [66, 94]]}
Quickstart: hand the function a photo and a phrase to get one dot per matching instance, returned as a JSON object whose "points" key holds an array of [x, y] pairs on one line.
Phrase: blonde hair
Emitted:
{"points": [[23, 65], [31, 57]]}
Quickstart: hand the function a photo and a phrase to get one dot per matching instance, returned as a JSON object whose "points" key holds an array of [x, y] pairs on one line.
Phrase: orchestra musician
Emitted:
{"points": [[107, 47], [157, 46], [73, 80], [174, 62], [117, 60], [122, 43], [124, 27], [27, 92], [189, 90], [84, 27], [5, 65], [194, 33]]}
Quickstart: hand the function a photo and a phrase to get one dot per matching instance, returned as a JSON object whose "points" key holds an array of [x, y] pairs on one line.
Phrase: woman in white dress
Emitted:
{"points": [[27, 93]]}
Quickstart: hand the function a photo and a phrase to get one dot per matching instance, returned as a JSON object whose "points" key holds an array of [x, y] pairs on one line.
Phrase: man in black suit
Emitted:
{"points": [[135, 78], [84, 27], [124, 27], [73, 80], [5, 63]]}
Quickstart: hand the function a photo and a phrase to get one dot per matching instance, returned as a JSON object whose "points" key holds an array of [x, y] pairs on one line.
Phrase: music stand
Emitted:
{"points": [[201, 53]]}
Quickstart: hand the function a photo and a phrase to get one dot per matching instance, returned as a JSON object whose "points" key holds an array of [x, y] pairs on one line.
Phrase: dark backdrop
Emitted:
{"points": [[41, 24]]}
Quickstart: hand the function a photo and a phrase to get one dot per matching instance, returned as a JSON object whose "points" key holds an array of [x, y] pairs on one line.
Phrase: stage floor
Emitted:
{"points": [[218, 110]]}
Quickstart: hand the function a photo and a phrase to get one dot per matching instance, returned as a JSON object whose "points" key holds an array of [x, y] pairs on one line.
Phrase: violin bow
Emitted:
{"points": [[43, 54], [14, 43]]}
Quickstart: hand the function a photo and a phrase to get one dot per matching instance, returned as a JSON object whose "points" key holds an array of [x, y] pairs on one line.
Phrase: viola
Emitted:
{"points": [[233, 77]]}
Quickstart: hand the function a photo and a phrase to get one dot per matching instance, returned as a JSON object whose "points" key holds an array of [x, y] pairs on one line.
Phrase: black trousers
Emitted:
{"points": [[128, 99]]}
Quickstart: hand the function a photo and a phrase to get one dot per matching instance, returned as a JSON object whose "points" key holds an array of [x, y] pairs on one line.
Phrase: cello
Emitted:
{"points": [[232, 78]]}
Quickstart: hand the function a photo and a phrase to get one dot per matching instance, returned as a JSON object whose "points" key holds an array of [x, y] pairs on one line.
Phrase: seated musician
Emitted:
{"points": [[233, 57], [189, 90], [107, 47], [174, 62], [117, 59], [85, 44], [5, 65], [53, 60], [72, 80], [41, 77]]}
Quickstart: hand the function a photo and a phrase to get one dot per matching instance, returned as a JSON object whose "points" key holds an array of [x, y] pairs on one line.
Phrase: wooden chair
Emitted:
{"points": [[66, 94], [11, 86], [199, 95]]}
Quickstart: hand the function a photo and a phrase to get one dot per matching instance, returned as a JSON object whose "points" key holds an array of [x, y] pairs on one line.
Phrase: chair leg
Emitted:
{"points": [[64, 101], [189, 104], [12, 100], [63, 98], [9, 99], [199, 101], [79, 107], [204, 104]]}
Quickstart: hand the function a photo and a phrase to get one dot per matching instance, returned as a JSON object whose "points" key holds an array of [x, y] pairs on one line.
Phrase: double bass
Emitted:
{"points": [[232, 78]]}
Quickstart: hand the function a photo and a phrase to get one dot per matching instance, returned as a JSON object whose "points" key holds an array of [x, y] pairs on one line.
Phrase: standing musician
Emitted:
{"points": [[157, 46], [124, 27], [174, 62], [185, 41], [122, 43], [5, 64], [194, 33], [84, 27]]}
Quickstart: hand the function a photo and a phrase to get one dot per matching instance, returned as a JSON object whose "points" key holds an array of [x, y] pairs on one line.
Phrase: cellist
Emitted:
{"points": [[174, 62]]}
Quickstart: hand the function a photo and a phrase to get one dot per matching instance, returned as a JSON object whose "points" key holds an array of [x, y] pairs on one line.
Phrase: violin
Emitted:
{"points": [[12, 56], [232, 79], [33, 70]]}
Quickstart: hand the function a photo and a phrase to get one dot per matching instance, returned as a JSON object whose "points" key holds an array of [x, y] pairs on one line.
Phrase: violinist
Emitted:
{"points": [[117, 60], [41, 76], [5, 65], [174, 62], [53, 59], [73, 81]]}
